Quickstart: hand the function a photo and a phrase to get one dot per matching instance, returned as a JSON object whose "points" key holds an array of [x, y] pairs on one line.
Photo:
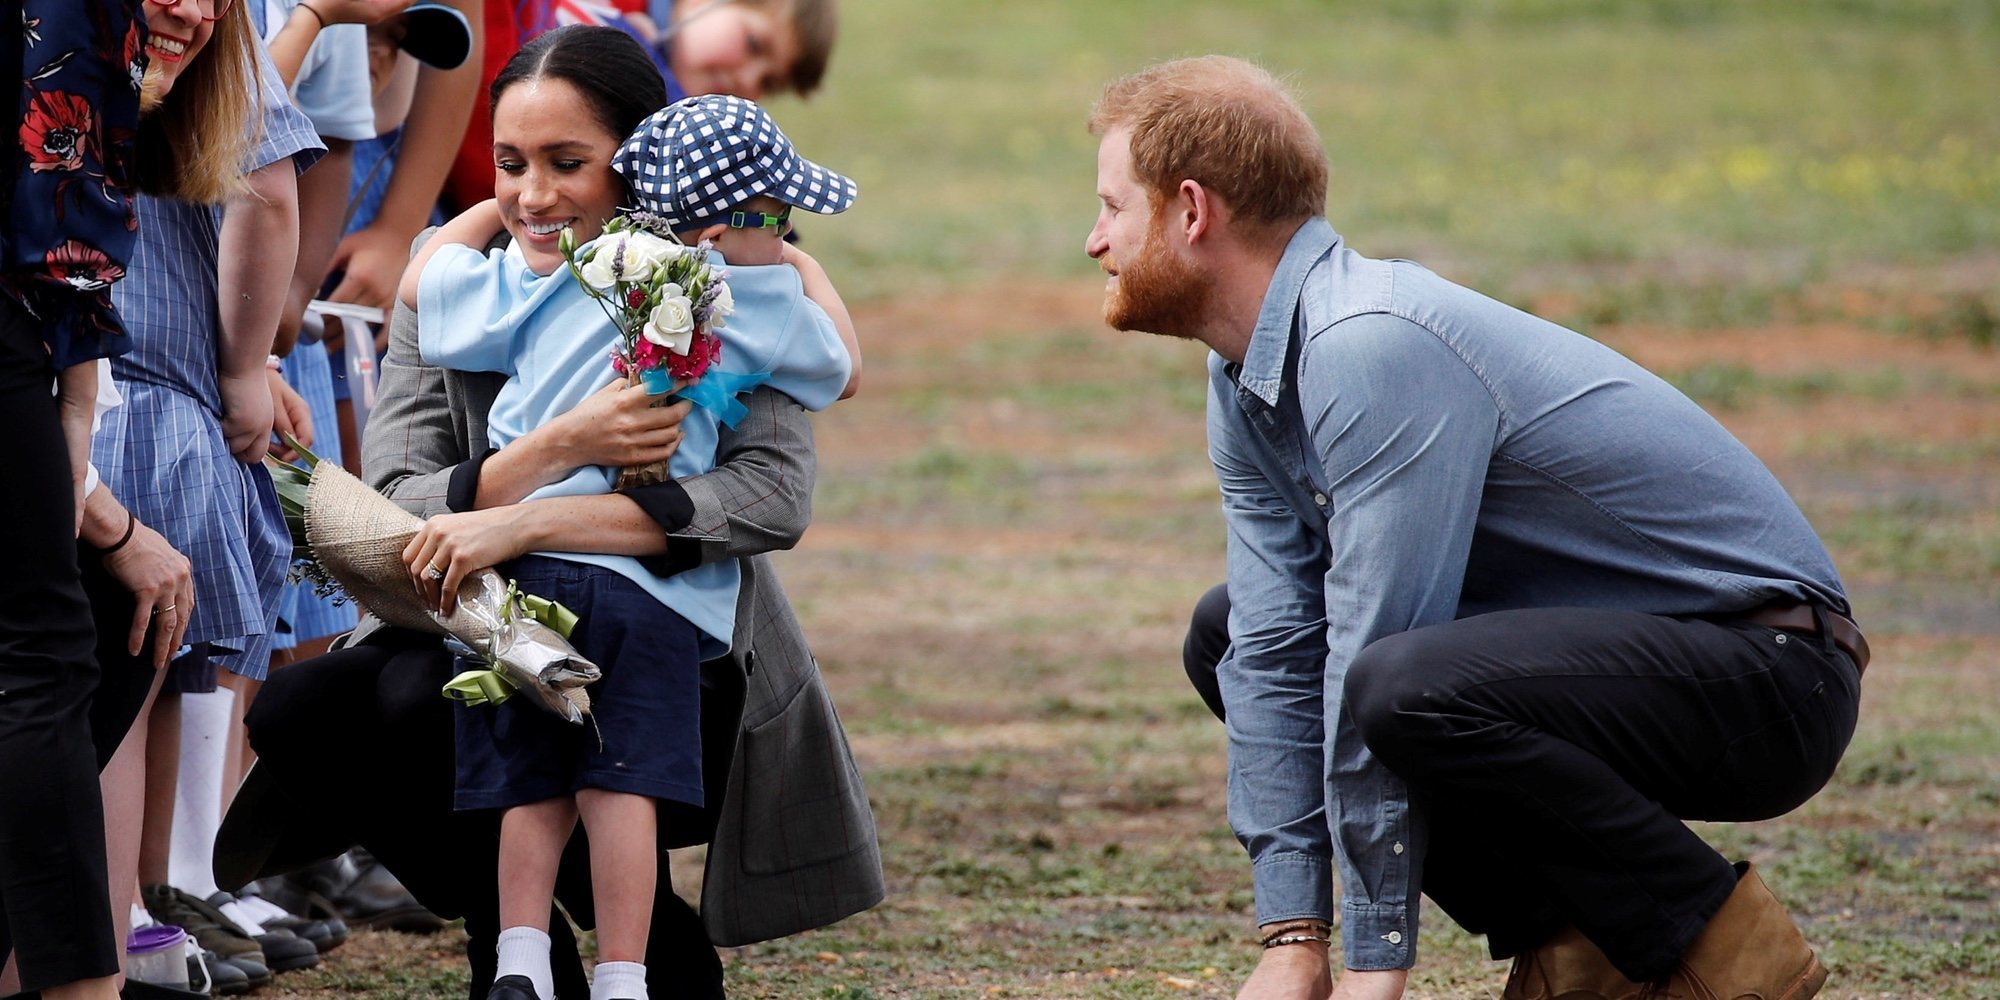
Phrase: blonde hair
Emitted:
{"points": [[1226, 124], [195, 146]]}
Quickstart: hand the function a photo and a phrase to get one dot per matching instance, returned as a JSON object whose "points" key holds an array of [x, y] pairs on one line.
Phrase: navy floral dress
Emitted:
{"points": [[66, 223]]}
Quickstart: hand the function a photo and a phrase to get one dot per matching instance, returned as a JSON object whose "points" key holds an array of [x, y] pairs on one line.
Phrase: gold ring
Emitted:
{"points": [[161, 611], [433, 572]]}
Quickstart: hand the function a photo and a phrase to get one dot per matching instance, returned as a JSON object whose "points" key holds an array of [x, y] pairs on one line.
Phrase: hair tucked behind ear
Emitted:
{"points": [[196, 145], [605, 65]]}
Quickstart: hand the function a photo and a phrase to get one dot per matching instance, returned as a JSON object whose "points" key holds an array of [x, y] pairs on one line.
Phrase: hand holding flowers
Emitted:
{"points": [[664, 299]]}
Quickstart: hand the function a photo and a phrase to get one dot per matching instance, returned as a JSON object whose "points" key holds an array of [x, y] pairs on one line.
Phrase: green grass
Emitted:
{"points": [[1015, 516], [1705, 160]]}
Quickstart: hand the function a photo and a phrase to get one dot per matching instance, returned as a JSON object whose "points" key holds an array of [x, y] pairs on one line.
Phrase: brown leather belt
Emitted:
{"points": [[1800, 618]]}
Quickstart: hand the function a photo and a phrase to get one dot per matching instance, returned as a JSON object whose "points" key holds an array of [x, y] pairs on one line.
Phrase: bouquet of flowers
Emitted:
{"points": [[666, 302], [348, 536]]}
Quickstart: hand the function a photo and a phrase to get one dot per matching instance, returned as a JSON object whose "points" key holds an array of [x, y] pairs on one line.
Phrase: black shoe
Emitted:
{"points": [[256, 975], [325, 935], [285, 951], [356, 888], [373, 898], [223, 978], [512, 988]]}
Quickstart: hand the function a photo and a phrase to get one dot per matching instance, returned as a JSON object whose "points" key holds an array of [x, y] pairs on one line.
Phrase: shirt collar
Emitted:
{"points": [[1263, 369]]}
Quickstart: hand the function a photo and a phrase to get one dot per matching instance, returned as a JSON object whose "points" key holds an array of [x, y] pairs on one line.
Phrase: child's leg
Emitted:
{"points": [[531, 844], [624, 865]]}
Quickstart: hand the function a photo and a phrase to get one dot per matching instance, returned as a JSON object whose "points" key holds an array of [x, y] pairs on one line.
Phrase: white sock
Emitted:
{"points": [[205, 738], [524, 951], [618, 981], [236, 911], [261, 909]]}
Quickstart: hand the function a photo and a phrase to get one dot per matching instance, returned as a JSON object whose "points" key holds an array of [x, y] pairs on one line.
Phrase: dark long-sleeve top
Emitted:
{"points": [[66, 222]]}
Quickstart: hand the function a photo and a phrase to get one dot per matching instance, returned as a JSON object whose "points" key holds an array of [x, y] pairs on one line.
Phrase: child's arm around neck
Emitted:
{"points": [[819, 288], [475, 227]]}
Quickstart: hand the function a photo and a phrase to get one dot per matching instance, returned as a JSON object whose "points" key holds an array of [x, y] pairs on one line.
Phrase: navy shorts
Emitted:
{"points": [[647, 706]]}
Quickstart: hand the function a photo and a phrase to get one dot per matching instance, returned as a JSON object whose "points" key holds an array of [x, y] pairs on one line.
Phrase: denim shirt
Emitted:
{"points": [[1396, 451]]}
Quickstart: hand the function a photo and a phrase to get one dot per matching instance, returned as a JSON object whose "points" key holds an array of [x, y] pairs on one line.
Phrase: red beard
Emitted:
{"points": [[1159, 290]]}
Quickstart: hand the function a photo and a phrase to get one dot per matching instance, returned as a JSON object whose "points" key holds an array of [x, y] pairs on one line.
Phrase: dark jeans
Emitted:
{"points": [[1555, 753], [362, 739], [55, 910]]}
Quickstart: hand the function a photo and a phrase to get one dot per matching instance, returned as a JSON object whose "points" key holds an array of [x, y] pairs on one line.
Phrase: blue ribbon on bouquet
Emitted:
{"points": [[715, 391]]}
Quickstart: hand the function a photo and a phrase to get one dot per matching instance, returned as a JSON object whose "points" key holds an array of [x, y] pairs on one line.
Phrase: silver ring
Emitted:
{"points": [[433, 573]]}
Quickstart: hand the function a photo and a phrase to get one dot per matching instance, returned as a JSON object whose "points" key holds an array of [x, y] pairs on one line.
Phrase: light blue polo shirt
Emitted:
{"points": [[488, 312]]}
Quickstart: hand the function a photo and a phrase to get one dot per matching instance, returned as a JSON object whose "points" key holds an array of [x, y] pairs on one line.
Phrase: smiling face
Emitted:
{"points": [[730, 48], [175, 34], [1150, 283], [551, 168]]}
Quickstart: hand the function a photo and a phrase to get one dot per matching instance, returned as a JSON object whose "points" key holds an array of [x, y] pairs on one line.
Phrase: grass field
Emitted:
{"points": [[1792, 210]]}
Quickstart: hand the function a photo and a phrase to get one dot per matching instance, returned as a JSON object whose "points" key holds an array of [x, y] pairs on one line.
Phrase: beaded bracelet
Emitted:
{"points": [[1285, 939], [1320, 929]]}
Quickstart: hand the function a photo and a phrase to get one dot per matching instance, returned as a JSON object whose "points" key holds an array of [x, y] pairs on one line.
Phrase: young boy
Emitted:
{"points": [[714, 168]]}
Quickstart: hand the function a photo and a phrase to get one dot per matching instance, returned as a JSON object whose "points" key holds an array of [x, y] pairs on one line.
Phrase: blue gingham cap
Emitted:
{"points": [[696, 160]]}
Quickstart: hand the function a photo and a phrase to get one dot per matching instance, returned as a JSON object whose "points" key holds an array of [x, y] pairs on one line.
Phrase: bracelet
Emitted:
{"points": [[317, 16], [1313, 924], [1281, 940], [131, 522]]}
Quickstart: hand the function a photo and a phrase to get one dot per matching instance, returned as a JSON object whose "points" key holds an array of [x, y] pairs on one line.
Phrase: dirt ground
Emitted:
{"points": [[1016, 515]]}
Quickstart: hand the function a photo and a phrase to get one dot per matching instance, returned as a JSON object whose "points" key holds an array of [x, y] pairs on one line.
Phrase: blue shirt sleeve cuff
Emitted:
{"points": [[1290, 886], [1378, 936]]}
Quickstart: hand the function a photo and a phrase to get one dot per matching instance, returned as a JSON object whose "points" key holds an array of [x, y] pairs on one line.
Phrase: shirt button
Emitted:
{"points": [[1319, 498], [1393, 937], [1398, 848], [1782, 637]]}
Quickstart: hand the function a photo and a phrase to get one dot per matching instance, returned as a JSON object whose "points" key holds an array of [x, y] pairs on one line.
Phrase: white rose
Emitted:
{"points": [[671, 324], [596, 271], [626, 257], [652, 247], [724, 304]]}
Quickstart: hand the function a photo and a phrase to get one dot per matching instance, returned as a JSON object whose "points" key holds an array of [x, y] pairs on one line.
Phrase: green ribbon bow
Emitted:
{"points": [[489, 685]]}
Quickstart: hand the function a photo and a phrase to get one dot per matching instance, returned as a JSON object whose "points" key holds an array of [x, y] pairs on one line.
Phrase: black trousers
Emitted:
{"points": [[1555, 753], [362, 739], [55, 910]]}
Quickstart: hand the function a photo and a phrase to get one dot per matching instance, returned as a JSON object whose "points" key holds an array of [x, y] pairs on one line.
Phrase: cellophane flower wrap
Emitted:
{"points": [[666, 301], [347, 536]]}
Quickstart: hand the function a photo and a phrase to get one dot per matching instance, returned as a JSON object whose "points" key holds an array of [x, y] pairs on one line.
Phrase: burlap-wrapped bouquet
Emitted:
{"points": [[348, 535]]}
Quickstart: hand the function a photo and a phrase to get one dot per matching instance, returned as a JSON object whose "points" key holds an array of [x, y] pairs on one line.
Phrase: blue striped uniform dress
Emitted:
{"points": [[163, 452]]}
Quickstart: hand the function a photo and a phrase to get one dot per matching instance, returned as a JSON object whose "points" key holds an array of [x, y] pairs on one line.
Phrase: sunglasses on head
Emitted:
{"points": [[211, 10]]}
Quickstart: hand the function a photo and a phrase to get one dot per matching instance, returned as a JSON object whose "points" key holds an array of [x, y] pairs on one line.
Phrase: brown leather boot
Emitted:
{"points": [[1750, 950], [1567, 967]]}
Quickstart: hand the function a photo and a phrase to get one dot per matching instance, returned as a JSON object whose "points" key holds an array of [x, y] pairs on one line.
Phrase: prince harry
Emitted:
{"points": [[1503, 607]]}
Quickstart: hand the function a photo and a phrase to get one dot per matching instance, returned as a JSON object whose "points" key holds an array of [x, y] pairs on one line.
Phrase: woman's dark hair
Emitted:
{"points": [[607, 66]]}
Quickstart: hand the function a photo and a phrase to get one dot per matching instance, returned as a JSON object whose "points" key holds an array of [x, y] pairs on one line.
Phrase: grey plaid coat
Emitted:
{"points": [[795, 845]]}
